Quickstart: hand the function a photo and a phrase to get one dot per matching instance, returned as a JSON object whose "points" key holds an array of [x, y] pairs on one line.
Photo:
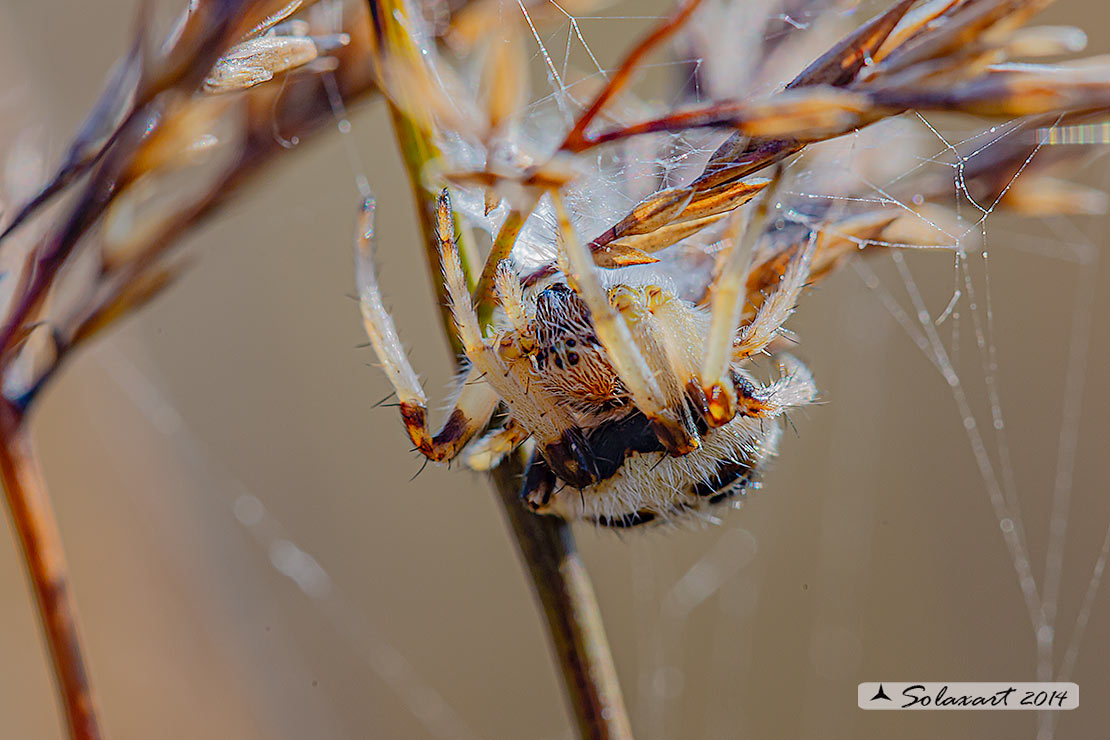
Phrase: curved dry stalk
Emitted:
{"points": [[41, 544]]}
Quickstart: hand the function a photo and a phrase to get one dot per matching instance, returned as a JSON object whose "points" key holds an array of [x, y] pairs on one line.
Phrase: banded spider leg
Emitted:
{"points": [[476, 401], [500, 369], [638, 323]]}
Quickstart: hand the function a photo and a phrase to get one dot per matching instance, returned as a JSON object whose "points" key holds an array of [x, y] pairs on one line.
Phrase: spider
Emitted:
{"points": [[640, 403]]}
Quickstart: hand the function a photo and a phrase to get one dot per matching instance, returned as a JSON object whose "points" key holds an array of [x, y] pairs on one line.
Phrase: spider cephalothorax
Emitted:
{"points": [[568, 356]]}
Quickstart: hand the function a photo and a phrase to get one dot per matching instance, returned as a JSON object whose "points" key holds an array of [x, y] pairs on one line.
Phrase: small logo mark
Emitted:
{"points": [[880, 694]]}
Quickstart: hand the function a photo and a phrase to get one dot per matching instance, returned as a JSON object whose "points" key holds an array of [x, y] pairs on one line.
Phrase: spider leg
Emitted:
{"points": [[727, 307], [795, 387], [510, 295], [662, 405], [499, 253], [772, 286], [539, 484], [488, 452], [476, 401], [835, 243], [776, 309], [509, 372], [723, 393], [728, 395]]}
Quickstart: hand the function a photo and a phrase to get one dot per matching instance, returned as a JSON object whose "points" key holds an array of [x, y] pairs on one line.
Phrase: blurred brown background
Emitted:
{"points": [[226, 439]]}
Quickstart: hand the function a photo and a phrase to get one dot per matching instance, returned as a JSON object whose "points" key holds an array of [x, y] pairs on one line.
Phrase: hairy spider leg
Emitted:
{"points": [[510, 295], [718, 395], [499, 252], [772, 287], [778, 306], [487, 452], [667, 414], [476, 401], [539, 482], [662, 328], [508, 370], [835, 243], [725, 392]]}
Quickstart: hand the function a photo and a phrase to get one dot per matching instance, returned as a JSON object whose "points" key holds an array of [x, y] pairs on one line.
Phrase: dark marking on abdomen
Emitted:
{"points": [[614, 441], [730, 479]]}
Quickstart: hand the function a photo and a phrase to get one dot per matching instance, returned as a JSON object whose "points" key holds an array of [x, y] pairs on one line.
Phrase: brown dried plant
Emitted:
{"points": [[187, 119]]}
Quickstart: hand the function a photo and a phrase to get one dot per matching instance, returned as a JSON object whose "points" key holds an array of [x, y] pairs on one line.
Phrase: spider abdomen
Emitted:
{"points": [[648, 485]]}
